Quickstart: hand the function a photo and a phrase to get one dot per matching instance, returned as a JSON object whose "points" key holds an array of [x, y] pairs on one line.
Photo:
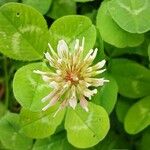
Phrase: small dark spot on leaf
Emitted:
{"points": [[94, 135], [17, 14]]}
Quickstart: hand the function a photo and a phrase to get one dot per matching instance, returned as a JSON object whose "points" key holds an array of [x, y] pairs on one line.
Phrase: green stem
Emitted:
{"points": [[6, 84]]}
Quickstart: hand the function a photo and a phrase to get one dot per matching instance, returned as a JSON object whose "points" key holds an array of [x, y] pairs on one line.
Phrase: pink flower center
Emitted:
{"points": [[71, 76]]}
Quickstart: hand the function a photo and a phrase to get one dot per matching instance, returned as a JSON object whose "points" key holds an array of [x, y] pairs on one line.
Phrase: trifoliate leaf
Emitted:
{"points": [[132, 78], [131, 15], [10, 135], [86, 129], [29, 88], [41, 6], [112, 33], [40, 124], [57, 141], [23, 32], [61, 8], [138, 116], [72, 27]]}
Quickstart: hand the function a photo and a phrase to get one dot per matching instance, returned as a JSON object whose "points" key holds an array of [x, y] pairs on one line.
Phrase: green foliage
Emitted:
{"points": [[83, 1], [61, 8], [41, 124], [22, 37], [122, 36], [138, 116], [107, 95], [145, 140], [91, 127], [41, 6], [32, 88], [71, 27], [112, 33], [10, 135], [2, 2], [113, 141], [122, 107], [133, 79], [131, 15], [57, 141], [2, 109], [149, 51], [138, 50]]}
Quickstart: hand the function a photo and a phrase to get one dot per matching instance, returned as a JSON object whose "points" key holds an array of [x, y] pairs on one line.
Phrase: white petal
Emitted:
{"points": [[101, 71], [98, 72], [58, 72], [94, 73], [53, 84], [45, 78], [61, 107], [88, 54], [94, 54], [101, 81], [96, 81], [52, 51], [84, 104], [59, 61], [82, 46], [106, 81], [73, 102], [48, 56], [89, 69], [67, 85], [62, 48], [76, 47], [73, 99], [100, 64], [40, 72], [94, 91], [51, 103], [45, 98], [88, 93], [49, 96], [84, 83], [50, 47]]}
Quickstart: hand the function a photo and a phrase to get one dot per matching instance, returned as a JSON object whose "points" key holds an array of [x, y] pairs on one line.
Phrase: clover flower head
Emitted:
{"points": [[74, 78]]}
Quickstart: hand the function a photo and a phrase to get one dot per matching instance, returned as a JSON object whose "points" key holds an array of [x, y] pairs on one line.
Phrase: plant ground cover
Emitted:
{"points": [[89, 109]]}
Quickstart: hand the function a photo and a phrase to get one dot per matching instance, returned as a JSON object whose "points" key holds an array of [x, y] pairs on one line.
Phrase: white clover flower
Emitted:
{"points": [[73, 76]]}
